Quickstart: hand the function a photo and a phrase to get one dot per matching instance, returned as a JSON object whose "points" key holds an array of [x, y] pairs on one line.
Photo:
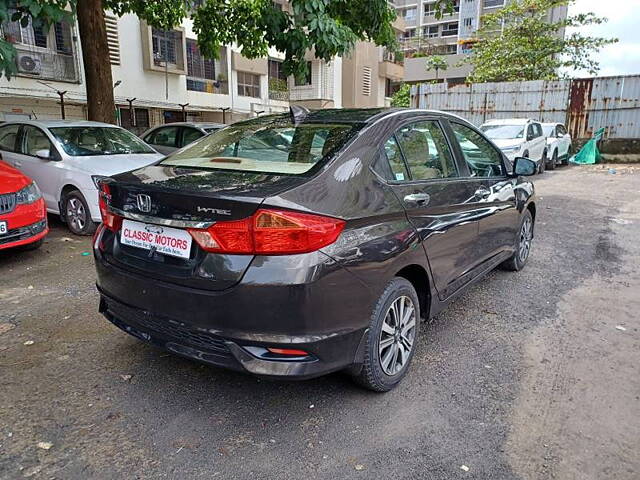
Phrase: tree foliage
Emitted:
{"points": [[437, 63], [327, 27], [518, 43], [402, 97]]}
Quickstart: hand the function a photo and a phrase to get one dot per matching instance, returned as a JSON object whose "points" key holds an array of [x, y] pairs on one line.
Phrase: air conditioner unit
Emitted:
{"points": [[29, 63]]}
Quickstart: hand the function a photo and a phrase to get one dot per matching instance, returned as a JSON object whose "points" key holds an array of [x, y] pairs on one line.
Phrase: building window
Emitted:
{"points": [[468, 22], [204, 74], [366, 81], [429, 9], [430, 31], [141, 118], [307, 77], [248, 85], [113, 42], [409, 13], [278, 87], [409, 33], [449, 49], [492, 3], [450, 29], [167, 46]]}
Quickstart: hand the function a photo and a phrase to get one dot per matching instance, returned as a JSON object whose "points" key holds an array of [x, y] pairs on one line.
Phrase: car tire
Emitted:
{"points": [[383, 368], [543, 163], [521, 254], [554, 160], [77, 214]]}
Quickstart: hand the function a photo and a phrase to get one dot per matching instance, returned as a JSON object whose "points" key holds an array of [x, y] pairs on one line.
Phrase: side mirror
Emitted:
{"points": [[44, 154], [524, 166]]}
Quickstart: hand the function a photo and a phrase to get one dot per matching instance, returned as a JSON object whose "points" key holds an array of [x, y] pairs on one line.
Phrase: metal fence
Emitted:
{"points": [[584, 105]]}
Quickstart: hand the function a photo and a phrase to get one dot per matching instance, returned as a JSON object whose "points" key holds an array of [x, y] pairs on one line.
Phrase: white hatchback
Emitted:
{"points": [[67, 158], [558, 143], [518, 137]]}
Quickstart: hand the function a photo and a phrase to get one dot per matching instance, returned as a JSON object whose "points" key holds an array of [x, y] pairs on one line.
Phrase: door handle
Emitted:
{"points": [[482, 192], [417, 198]]}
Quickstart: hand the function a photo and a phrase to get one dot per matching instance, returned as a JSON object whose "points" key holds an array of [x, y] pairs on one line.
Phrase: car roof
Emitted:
{"points": [[192, 124], [509, 121], [355, 115], [62, 123]]}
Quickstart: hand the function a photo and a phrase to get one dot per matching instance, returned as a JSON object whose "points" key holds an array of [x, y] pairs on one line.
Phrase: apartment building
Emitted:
{"points": [[451, 36], [161, 77]]}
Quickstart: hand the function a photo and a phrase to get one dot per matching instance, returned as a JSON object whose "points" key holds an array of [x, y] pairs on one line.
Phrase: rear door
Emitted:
{"points": [[48, 174], [494, 199], [564, 141], [425, 177], [189, 135], [164, 139], [9, 143]]}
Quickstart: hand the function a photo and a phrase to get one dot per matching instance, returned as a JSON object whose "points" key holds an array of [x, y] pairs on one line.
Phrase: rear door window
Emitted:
{"points": [[8, 136], [190, 135], [165, 137], [33, 140], [395, 160]]}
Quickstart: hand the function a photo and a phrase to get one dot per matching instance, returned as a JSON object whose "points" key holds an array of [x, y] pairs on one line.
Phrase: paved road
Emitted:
{"points": [[525, 377]]}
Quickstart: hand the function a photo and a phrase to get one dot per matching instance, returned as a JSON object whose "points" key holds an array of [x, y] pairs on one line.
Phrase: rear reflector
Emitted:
{"points": [[288, 351], [270, 232]]}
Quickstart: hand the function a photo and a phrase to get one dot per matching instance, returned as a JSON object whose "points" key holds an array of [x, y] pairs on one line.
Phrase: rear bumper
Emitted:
{"points": [[217, 327]]}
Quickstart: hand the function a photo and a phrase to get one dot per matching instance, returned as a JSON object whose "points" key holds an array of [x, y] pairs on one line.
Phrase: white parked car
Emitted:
{"points": [[66, 159], [518, 137], [558, 144], [172, 136]]}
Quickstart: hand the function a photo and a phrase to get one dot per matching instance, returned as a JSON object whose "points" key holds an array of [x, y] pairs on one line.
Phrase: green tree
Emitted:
{"points": [[328, 27], [402, 97], [437, 63], [519, 43]]}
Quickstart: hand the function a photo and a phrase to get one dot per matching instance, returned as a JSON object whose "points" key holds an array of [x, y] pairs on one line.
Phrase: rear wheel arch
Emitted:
{"points": [[419, 278]]}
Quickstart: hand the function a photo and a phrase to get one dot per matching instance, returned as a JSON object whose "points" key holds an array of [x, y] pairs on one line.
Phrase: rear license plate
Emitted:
{"points": [[166, 240], [3, 228]]}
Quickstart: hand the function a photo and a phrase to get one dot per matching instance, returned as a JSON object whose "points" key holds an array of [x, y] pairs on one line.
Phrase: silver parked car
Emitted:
{"points": [[170, 137], [67, 158]]}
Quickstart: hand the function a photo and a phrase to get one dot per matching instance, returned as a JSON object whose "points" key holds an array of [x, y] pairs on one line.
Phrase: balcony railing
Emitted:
{"points": [[423, 45], [46, 64]]}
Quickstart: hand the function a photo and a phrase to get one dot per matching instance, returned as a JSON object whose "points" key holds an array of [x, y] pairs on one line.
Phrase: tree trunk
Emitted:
{"points": [[95, 58]]}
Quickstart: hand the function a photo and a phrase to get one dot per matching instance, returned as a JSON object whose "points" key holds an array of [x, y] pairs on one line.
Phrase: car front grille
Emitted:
{"points": [[168, 328], [7, 202], [22, 233]]}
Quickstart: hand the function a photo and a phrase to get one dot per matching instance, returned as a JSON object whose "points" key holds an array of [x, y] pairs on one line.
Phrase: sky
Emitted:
{"points": [[620, 58]]}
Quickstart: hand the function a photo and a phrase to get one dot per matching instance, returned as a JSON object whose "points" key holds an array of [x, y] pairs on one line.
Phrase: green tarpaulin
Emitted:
{"points": [[589, 154]]}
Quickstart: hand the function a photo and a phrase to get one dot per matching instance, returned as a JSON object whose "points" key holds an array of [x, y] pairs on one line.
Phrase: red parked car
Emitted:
{"points": [[23, 215]]}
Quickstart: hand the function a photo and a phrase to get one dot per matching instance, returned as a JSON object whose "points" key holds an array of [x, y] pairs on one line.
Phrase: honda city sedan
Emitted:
{"points": [[294, 245]]}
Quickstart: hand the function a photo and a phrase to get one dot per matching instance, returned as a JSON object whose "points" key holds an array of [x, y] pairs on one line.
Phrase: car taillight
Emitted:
{"points": [[109, 220], [270, 232]]}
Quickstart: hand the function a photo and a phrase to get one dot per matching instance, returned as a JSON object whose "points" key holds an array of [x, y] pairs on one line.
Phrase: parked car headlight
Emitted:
{"points": [[96, 179], [29, 194]]}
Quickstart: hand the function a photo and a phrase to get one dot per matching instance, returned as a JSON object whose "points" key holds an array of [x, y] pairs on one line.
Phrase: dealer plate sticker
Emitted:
{"points": [[166, 240], [3, 228]]}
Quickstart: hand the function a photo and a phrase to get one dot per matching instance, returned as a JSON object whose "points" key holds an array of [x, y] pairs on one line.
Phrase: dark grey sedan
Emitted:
{"points": [[172, 136], [295, 245]]}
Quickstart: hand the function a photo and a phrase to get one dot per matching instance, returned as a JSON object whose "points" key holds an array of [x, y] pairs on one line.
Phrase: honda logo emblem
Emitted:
{"points": [[144, 202]]}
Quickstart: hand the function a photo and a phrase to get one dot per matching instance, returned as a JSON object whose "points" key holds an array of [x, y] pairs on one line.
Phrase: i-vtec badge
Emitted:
{"points": [[217, 211]]}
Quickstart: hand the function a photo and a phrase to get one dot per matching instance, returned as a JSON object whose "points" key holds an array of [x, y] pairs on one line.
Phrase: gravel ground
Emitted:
{"points": [[530, 375]]}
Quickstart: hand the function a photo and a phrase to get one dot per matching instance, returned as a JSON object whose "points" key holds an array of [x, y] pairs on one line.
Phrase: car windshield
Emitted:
{"points": [[265, 145], [503, 132], [86, 141], [211, 129], [547, 130]]}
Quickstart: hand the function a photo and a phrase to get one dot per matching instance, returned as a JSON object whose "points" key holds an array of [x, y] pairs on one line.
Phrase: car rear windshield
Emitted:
{"points": [[272, 146], [503, 132], [86, 141]]}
